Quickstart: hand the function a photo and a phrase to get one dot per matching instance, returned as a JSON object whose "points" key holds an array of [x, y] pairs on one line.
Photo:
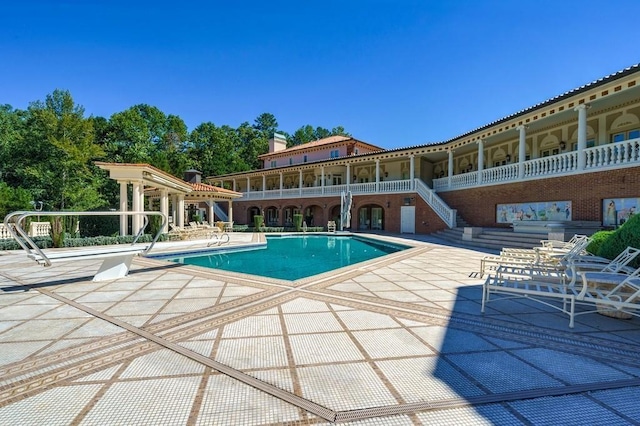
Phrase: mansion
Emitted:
{"points": [[575, 157]]}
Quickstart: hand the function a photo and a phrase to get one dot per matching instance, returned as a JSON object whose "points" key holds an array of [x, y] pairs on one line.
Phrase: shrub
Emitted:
{"points": [[297, 222], [57, 231], [95, 226], [258, 221], [154, 224], [71, 226], [597, 239], [623, 237]]}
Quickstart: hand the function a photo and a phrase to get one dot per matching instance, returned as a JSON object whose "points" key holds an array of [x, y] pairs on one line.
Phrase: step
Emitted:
{"points": [[494, 239]]}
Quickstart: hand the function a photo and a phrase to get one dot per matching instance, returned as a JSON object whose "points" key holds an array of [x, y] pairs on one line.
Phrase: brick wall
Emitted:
{"points": [[585, 191]]}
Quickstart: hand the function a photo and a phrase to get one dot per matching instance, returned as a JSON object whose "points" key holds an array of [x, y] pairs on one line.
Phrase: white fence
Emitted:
{"points": [[36, 229], [619, 154]]}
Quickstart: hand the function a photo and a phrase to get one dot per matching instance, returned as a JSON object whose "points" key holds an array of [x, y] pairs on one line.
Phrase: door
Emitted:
{"points": [[408, 219]]}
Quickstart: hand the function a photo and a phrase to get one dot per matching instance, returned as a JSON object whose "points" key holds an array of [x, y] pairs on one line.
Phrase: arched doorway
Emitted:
{"points": [[272, 216]]}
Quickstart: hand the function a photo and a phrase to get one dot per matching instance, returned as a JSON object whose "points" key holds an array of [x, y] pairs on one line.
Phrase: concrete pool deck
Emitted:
{"points": [[398, 340]]}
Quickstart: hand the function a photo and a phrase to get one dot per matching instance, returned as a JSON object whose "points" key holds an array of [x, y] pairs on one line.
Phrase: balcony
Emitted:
{"points": [[390, 187], [598, 158]]}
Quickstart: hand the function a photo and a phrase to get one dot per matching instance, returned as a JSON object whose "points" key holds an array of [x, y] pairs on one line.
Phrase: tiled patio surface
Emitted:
{"points": [[395, 341]]}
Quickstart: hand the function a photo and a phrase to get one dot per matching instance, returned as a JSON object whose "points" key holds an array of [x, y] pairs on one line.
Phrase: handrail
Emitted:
{"points": [[437, 204], [13, 223]]}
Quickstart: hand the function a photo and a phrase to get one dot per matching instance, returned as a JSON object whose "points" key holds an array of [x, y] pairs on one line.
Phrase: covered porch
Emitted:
{"points": [[165, 193]]}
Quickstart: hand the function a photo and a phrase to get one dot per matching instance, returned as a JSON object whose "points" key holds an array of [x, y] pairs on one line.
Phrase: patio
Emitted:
{"points": [[395, 341]]}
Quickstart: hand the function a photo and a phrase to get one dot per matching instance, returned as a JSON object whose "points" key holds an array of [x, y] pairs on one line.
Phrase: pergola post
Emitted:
{"points": [[164, 207], [124, 202]]}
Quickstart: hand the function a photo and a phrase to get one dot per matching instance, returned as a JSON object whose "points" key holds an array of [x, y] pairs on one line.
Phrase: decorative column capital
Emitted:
{"points": [[522, 127], [581, 107]]}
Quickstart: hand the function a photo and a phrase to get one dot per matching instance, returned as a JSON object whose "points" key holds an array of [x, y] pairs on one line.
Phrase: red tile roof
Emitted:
{"points": [[203, 187], [320, 142]]}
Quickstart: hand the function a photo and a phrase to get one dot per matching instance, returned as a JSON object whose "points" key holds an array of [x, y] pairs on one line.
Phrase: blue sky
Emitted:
{"points": [[393, 73]]}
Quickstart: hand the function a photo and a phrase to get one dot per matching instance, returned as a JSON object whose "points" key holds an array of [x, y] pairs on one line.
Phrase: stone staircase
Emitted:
{"points": [[492, 239]]}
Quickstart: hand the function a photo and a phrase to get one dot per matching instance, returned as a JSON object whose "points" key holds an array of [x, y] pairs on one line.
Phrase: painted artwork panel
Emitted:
{"points": [[534, 211], [616, 211]]}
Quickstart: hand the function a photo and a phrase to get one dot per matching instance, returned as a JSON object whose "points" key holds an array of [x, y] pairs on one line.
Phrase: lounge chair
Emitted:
{"points": [[614, 294], [331, 226], [182, 233], [541, 256], [607, 291], [620, 264]]}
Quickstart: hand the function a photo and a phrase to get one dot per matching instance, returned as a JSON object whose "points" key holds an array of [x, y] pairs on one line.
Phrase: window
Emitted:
{"points": [[548, 152], [290, 161], [335, 153], [305, 159], [337, 180], [273, 163], [623, 136], [590, 144]]}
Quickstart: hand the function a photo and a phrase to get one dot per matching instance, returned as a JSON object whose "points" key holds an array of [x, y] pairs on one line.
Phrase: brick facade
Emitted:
{"points": [[586, 191]]}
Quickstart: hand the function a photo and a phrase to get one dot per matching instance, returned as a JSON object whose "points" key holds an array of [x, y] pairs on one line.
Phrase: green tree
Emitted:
{"points": [[58, 148], [11, 139], [13, 199], [216, 150], [307, 134]]}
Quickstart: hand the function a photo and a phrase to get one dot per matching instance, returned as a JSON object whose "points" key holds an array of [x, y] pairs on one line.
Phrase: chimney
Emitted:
{"points": [[193, 176], [277, 143]]}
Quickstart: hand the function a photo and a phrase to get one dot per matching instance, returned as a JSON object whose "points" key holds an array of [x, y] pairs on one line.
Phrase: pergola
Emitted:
{"points": [[153, 183]]}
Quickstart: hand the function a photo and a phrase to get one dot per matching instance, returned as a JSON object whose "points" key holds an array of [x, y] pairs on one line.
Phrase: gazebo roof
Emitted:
{"points": [[156, 180]]}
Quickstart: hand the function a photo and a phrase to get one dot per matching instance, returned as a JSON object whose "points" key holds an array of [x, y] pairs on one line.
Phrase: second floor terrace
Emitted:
{"points": [[593, 128]]}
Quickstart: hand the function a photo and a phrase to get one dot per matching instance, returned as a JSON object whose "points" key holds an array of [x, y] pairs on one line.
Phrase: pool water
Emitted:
{"points": [[295, 257]]}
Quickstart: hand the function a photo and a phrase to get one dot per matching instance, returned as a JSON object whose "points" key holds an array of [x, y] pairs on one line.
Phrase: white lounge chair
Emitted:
{"points": [[533, 257], [614, 294], [607, 290]]}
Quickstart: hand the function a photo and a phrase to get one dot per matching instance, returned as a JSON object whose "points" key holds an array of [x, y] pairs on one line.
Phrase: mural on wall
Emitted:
{"points": [[548, 210], [616, 211]]}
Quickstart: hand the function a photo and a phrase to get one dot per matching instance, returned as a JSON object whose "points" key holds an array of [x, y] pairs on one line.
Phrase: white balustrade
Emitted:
{"points": [[447, 214], [39, 229]]}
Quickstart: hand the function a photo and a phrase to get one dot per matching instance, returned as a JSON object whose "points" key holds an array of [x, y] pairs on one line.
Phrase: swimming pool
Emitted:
{"points": [[294, 257]]}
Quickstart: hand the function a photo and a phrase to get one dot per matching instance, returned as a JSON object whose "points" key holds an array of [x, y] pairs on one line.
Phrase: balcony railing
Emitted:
{"points": [[390, 187], [619, 154]]}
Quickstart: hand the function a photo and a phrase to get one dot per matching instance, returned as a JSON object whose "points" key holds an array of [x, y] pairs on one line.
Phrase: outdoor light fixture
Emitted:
{"points": [[508, 158], [563, 145], [386, 174], [388, 204]]}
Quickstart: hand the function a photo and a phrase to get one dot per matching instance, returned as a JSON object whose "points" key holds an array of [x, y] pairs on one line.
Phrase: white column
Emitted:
{"points": [[281, 183], [377, 175], [300, 182], [480, 160], [322, 178], [450, 166], [233, 185], [124, 198], [582, 134], [212, 209], [180, 211], [412, 171], [230, 212], [522, 149], [164, 207], [248, 184], [264, 183], [348, 176], [137, 206]]}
